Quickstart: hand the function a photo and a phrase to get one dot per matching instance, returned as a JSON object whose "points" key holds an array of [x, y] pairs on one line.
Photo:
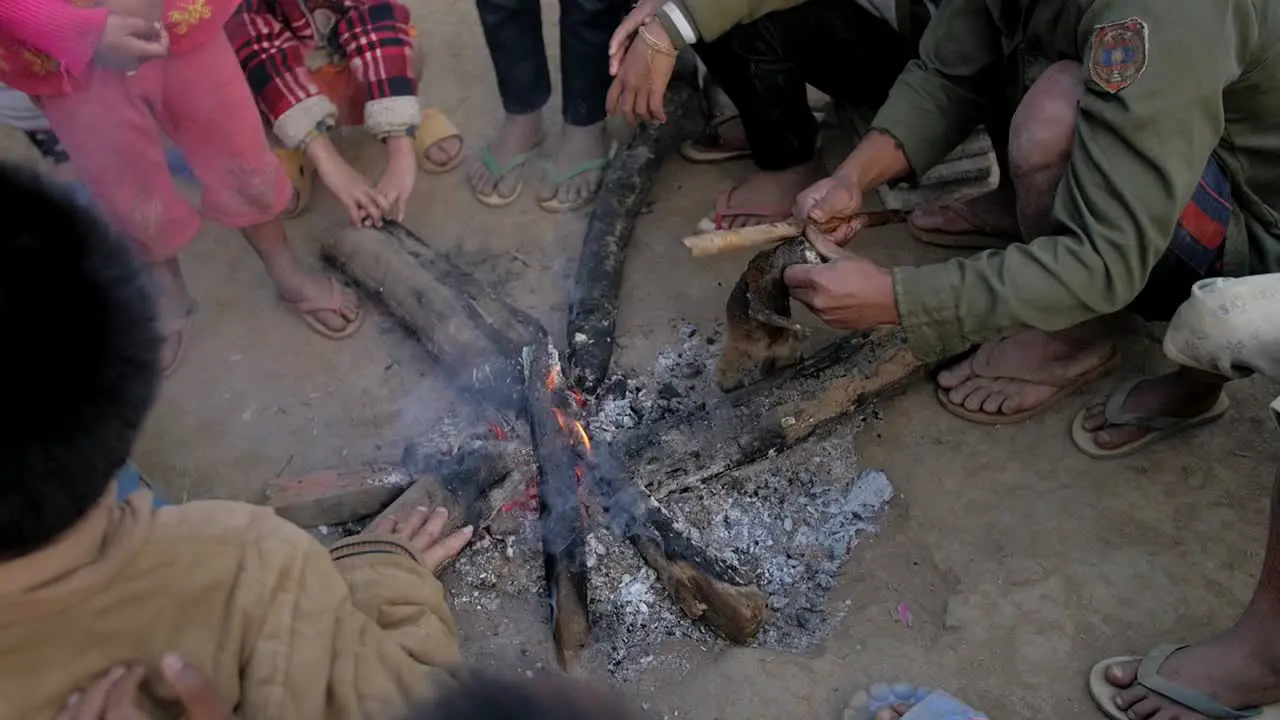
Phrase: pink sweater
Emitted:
{"points": [[67, 33]]}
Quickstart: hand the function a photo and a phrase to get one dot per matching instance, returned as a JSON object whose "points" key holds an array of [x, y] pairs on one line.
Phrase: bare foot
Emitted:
{"points": [[993, 213], [567, 183], [518, 134], [1184, 393], [1025, 370], [1240, 669], [174, 306], [443, 151], [767, 191], [724, 137], [297, 284]]}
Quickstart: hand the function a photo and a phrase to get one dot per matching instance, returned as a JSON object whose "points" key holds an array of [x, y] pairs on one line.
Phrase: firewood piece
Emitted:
{"points": [[330, 497], [475, 335], [766, 418], [593, 301], [762, 337], [559, 508], [705, 586], [461, 484]]}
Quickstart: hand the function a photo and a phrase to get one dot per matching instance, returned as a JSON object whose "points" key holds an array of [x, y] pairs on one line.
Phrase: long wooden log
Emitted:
{"points": [[475, 335], [769, 416], [593, 302], [564, 549]]}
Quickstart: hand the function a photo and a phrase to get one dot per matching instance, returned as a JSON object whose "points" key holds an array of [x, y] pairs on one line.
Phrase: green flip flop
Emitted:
{"points": [[559, 177], [494, 199]]}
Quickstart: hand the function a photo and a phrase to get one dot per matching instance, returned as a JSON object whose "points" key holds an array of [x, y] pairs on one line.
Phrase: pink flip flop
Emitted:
{"points": [[725, 211], [307, 309]]}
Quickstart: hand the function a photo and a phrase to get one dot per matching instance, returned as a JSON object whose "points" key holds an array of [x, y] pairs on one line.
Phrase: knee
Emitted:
{"points": [[1044, 125]]}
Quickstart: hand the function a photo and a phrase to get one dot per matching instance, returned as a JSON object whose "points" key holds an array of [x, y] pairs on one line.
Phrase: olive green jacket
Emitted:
{"points": [[1210, 85], [690, 21]]}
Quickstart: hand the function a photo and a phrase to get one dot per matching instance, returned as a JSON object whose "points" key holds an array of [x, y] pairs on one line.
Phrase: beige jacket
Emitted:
{"points": [[284, 629]]}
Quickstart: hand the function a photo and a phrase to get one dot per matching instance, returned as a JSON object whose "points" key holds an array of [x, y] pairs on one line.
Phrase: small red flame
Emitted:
{"points": [[528, 499], [578, 399], [552, 381], [497, 430]]}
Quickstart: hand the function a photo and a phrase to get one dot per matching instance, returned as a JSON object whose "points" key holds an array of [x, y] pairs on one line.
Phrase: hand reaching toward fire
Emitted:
{"points": [[423, 530]]}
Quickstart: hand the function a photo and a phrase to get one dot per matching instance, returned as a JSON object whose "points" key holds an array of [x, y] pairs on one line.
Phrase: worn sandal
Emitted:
{"points": [[300, 171], [1160, 426], [558, 177], [495, 200], [1104, 693], [435, 126], [981, 236], [307, 309], [1068, 387], [709, 146], [726, 211]]}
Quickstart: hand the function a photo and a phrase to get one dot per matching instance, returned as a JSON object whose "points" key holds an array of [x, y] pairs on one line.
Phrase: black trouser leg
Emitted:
{"points": [[585, 29], [763, 67], [513, 32]]}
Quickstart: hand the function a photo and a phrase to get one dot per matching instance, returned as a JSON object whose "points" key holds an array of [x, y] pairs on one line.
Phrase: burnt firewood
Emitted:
{"points": [[564, 552], [767, 417], [624, 191], [474, 334]]}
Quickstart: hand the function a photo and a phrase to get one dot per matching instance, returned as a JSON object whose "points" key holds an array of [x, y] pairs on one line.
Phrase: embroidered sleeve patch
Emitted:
{"points": [[1119, 54]]}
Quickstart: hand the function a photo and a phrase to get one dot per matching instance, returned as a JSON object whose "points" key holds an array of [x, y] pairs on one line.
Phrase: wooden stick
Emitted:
{"points": [[564, 551], [722, 241], [624, 192]]}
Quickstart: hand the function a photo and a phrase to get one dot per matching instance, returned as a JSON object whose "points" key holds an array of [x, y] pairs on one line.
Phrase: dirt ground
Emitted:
{"points": [[1021, 560]]}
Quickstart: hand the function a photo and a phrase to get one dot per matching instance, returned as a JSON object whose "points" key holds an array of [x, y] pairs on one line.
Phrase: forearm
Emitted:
{"points": [[877, 159], [690, 21], [65, 32]]}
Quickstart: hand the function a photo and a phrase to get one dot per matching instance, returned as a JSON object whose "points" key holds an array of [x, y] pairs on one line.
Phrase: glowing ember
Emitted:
{"points": [[582, 474], [582, 435], [528, 500], [552, 381], [560, 418], [497, 430], [578, 399]]}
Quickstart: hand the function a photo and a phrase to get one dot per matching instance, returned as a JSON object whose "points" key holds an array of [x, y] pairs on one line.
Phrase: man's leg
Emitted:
{"points": [[764, 66], [1026, 370], [1238, 669]]}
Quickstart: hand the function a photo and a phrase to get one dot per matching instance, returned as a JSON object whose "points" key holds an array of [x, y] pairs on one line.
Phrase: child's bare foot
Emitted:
{"points": [[497, 176], [574, 175], [174, 306], [334, 311], [442, 153]]}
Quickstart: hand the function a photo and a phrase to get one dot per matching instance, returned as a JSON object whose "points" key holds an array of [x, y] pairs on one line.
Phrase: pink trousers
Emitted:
{"points": [[199, 99]]}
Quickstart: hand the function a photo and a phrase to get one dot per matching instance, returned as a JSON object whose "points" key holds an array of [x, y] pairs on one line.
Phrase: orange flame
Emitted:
{"points": [[552, 381], [582, 435], [498, 431], [560, 418], [578, 399]]}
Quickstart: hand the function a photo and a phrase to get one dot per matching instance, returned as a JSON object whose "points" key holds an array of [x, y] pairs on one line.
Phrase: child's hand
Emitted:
{"points": [[114, 696], [397, 180], [127, 42], [365, 206], [423, 530]]}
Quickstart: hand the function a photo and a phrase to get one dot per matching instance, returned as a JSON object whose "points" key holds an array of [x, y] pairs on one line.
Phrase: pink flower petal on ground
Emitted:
{"points": [[904, 614]]}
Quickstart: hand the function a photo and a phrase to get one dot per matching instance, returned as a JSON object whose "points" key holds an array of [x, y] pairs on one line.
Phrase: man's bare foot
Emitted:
{"points": [[298, 285], [1025, 370], [992, 214], [766, 196], [1240, 669], [174, 306], [502, 175], [1184, 393], [574, 175]]}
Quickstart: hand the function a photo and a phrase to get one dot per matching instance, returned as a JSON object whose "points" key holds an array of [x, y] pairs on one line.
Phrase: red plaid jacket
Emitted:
{"points": [[275, 38]]}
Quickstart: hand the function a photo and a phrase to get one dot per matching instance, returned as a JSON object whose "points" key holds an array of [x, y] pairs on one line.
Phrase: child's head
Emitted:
{"points": [[481, 696], [80, 360]]}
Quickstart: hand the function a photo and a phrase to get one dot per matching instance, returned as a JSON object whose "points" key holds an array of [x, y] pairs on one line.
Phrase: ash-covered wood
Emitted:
{"points": [[547, 406], [593, 302], [769, 416], [462, 483], [475, 335], [707, 587]]}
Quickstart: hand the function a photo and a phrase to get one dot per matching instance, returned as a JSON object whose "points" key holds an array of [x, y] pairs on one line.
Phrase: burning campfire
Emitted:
{"points": [[577, 483]]}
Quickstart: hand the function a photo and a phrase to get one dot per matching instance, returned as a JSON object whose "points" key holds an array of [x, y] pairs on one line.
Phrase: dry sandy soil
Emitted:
{"points": [[1022, 561]]}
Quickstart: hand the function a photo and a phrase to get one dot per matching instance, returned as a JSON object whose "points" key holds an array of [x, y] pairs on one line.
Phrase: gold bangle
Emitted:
{"points": [[655, 44]]}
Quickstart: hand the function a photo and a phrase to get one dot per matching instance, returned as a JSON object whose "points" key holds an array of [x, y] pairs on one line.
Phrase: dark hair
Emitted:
{"points": [[483, 696], [80, 359]]}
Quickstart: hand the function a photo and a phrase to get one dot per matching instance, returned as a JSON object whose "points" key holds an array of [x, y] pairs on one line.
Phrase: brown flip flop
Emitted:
{"points": [[307, 308], [986, 418], [1161, 426], [982, 237]]}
